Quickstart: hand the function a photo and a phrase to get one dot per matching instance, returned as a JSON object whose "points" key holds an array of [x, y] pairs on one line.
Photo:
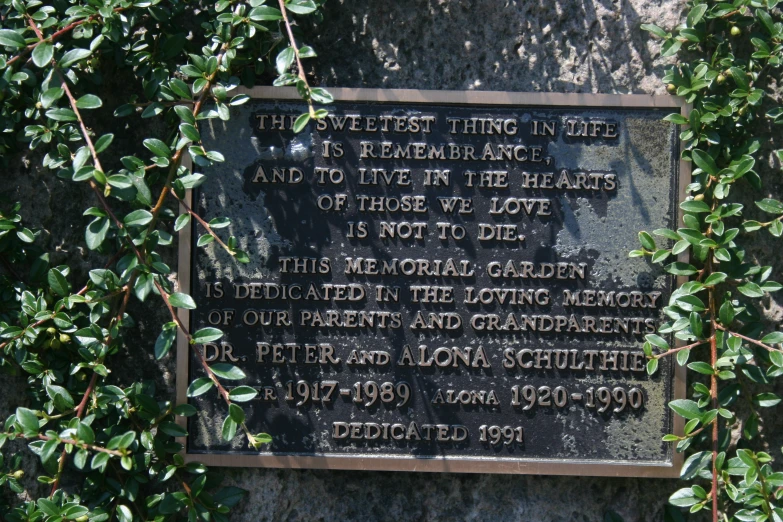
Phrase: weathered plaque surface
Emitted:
{"points": [[439, 281]]}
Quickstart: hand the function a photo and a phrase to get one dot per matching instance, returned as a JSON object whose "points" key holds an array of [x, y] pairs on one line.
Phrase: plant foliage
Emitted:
{"points": [[118, 446], [730, 54]]}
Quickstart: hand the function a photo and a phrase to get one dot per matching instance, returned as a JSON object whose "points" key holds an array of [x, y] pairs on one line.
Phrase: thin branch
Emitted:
{"points": [[688, 347], [55, 35], [746, 338], [176, 159], [203, 224], [300, 69], [83, 445]]}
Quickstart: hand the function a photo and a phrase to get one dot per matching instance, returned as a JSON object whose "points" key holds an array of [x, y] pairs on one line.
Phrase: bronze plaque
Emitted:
{"points": [[439, 281]]}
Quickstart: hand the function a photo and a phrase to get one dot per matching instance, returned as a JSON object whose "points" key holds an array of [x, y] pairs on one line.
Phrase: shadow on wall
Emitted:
{"points": [[515, 45]]}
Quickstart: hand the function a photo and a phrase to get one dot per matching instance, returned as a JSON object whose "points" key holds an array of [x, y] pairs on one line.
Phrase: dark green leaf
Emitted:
{"points": [[229, 430], [89, 101], [704, 161], [9, 38], [182, 221], [685, 408], [138, 218], [237, 413], [200, 386], [243, 394], [264, 13], [206, 335], [694, 464], [772, 206], [157, 147], [43, 54], [103, 142], [646, 240], [173, 429], [654, 29], [57, 282], [165, 340], [180, 300], [73, 56], [185, 410], [227, 371], [284, 59], [28, 421], [95, 233]]}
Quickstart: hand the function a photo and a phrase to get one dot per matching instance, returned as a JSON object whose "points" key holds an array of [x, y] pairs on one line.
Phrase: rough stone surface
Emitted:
{"points": [[522, 45]]}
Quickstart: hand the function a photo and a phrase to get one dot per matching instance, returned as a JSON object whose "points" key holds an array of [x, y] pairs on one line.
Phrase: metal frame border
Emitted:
{"points": [[454, 464]]}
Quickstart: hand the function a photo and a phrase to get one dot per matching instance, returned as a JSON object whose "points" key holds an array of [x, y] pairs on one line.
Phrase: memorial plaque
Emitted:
{"points": [[439, 281]]}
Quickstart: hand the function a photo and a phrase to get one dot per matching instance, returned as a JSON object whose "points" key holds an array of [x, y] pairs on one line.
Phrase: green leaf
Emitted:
{"points": [[103, 142], [237, 413], [95, 233], [301, 6], [189, 131], [654, 29], [138, 218], [200, 386], [646, 240], [219, 222], [28, 421], [182, 221], [49, 96], [678, 268], [695, 206], [766, 400], [685, 408], [243, 394], [165, 339], [9, 38], [124, 513], [227, 371], [61, 114], [85, 433], [89, 101], [173, 429], [658, 341], [229, 430], [667, 233], [701, 367], [121, 181], [229, 496], [320, 95], [652, 366], [73, 56], [715, 278], [704, 161], [57, 282], [284, 59], [185, 410], [696, 14], [43, 54], [264, 13], [185, 114], [26, 235], [204, 240], [301, 122], [180, 300], [751, 290], [694, 464], [772, 206], [157, 147], [773, 338], [206, 335]]}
